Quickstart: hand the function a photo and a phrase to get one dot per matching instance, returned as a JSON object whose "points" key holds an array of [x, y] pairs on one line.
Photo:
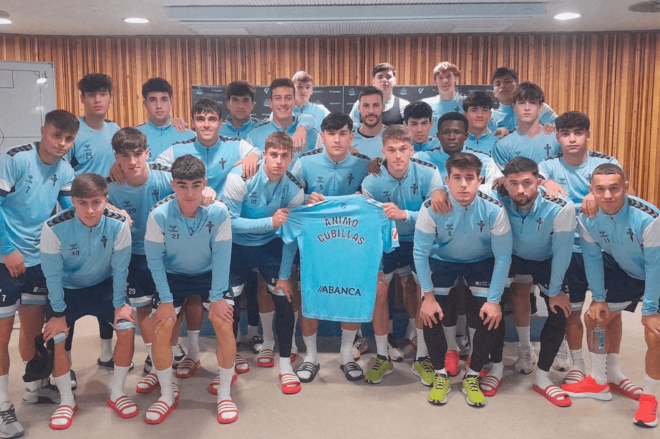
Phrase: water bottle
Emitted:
{"points": [[598, 339]]}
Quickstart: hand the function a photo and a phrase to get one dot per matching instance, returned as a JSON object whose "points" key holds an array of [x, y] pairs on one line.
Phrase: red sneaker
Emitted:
{"points": [[451, 363], [588, 388], [647, 412]]}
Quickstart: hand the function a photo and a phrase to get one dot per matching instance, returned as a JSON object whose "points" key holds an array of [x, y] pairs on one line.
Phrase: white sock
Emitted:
{"points": [[422, 350], [293, 337], [193, 345], [148, 347], [614, 374], [578, 360], [523, 335], [63, 383], [471, 373], [252, 331], [381, 345], [118, 381], [310, 349], [267, 328], [410, 330], [599, 367], [442, 371], [166, 388], [652, 386], [106, 350], [472, 331], [285, 365], [450, 335], [542, 379], [225, 376], [346, 349], [497, 370], [4, 384]]}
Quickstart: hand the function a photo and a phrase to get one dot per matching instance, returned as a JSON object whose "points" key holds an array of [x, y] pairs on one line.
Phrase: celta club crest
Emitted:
{"points": [[53, 179], [457, 109], [126, 203], [481, 225], [104, 241], [29, 179], [210, 226], [414, 188], [539, 221], [602, 234], [173, 229], [222, 162], [155, 193], [631, 234], [73, 247], [547, 149], [351, 177], [589, 178], [449, 228]]}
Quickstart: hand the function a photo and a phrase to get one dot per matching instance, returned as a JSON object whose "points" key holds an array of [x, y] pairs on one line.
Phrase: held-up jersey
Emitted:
{"points": [[408, 193], [257, 136], [160, 138], [253, 202], [515, 145], [188, 246], [317, 173], [543, 232], [341, 241], [219, 158], [470, 233], [229, 130], [505, 117], [317, 110], [392, 105], [92, 149], [430, 144], [485, 143], [441, 107], [371, 146], [632, 238], [75, 256], [138, 201], [29, 191]]}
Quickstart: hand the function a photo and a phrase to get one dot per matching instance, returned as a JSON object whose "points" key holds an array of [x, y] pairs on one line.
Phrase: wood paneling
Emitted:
{"points": [[613, 77]]}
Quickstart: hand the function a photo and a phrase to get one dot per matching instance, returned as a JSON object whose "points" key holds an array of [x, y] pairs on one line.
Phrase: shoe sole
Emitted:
{"points": [[437, 401], [41, 400], [473, 404], [387, 372], [645, 424], [421, 379], [599, 396]]}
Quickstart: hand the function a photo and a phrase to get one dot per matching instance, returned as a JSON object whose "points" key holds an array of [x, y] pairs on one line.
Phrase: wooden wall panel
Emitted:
{"points": [[613, 77]]}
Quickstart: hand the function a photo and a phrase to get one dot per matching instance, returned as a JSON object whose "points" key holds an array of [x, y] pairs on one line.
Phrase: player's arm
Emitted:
{"points": [[593, 263], [563, 231], [154, 249], [233, 195], [52, 264], [651, 247], [121, 257], [220, 260], [501, 241], [425, 232], [288, 232], [166, 157], [499, 155]]}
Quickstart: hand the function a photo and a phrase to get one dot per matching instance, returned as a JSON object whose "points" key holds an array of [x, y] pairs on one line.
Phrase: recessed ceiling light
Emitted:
{"points": [[135, 20], [5, 21], [42, 80], [567, 16]]}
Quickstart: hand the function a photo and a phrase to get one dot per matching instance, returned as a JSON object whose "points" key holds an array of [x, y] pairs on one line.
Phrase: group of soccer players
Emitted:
{"points": [[139, 226]]}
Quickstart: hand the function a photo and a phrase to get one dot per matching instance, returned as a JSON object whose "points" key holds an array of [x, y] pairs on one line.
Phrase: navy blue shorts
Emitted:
{"points": [[93, 301], [399, 260], [575, 280], [266, 258], [29, 289], [141, 285], [183, 287], [621, 288], [477, 275], [540, 271]]}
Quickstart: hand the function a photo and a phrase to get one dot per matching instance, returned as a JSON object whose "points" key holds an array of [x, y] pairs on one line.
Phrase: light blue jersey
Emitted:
{"points": [[515, 145], [188, 246], [441, 107], [92, 149], [253, 202], [257, 136], [543, 232], [632, 238], [470, 233], [318, 111], [371, 146], [219, 158], [138, 201], [341, 242], [160, 138], [485, 143], [29, 191], [75, 256], [317, 173], [229, 130], [408, 193], [505, 117], [430, 144]]}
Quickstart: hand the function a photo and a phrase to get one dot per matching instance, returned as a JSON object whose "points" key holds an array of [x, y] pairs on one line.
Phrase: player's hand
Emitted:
{"points": [[14, 263], [429, 309], [554, 189], [284, 286], [164, 312], [179, 124], [598, 311], [440, 202], [499, 183], [502, 132], [250, 165], [548, 128], [491, 314], [299, 138], [124, 313], [279, 217], [122, 211], [589, 206], [208, 196], [652, 323], [117, 174], [314, 197], [54, 326], [393, 212], [222, 310], [560, 302], [374, 166], [353, 150]]}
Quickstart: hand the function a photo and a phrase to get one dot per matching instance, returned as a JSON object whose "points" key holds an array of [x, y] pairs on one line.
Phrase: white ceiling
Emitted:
{"points": [[105, 17]]}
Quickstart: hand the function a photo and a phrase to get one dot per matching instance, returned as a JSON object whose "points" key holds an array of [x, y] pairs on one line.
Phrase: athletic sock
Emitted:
{"points": [[614, 374], [471, 374], [148, 347], [106, 350], [4, 384], [599, 368], [381, 345], [346, 349], [652, 386], [450, 335], [472, 331], [293, 337], [166, 388], [410, 330], [285, 366], [63, 383], [422, 350], [310, 349], [578, 360], [118, 382], [252, 331], [523, 335], [33, 386], [224, 376], [497, 370], [267, 328], [193, 345], [442, 371], [542, 379]]}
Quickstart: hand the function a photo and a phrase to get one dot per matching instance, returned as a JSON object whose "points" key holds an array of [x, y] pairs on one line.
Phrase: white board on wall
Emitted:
{"points": [[27, 93]]}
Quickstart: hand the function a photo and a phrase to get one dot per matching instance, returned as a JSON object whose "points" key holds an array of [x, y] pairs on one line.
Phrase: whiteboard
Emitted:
{"points": [[24, 102]]}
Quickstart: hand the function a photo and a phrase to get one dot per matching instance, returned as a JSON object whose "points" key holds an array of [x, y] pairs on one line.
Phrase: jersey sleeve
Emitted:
{"points": [[154, 249], [493, 172], [651, 245], [7, 183], [297, 200], [289, 232], [166, 157], [245, 149], [547, 115], [121, 257], [306, 120], [389, 233], [499, 154], [64, 197], [52, 265], [355, 114], [234, 195], [425, 232], [563, 231], [544, 170], [593, 263], [221, 259], [501, 241], [297, 172]]}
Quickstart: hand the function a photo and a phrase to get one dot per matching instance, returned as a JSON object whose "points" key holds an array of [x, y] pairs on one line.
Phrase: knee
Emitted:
{"points": [[652, 340], [125, 335]]}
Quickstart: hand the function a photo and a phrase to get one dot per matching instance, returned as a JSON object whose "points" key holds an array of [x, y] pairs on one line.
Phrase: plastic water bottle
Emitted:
{"points": [[598, 339]]}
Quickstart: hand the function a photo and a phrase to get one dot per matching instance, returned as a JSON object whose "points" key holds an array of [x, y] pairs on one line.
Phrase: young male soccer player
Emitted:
{"points": [[402, 187], [474, 242], [304, 83], [418, 117], [621, 249], [477, 109], [85, 252], [542, 231], [367, 137], [384, 78], [188, 250], [33, 178], [240, 103], [258, 207], [445, 76]]}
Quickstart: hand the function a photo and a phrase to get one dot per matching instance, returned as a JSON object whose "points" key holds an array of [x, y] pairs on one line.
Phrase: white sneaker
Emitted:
{"points": [[395, 353], [46, 394], [9, 425], [563, 359], [526, 359], [360, 346]]}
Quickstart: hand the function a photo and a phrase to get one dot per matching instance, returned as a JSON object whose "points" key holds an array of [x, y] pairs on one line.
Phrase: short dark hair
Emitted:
{"points": [[63, 121], [156, 85], [572, 119], [240, 88], [280, 82], [453, 115], [370, 90], [188, 167], [479, 99], [464, 161], [518, 165], [336, 121], [417, 110], [95, 82], [504, 71], [89, 185], [206, 106], [278, 139], [398, 132], [129, 139], [528, 91], [609, 169], [383, 67]]}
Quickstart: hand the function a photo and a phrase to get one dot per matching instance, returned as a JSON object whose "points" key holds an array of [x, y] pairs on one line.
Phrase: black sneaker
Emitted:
{"points": [[74, 381], [148, 365]]}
